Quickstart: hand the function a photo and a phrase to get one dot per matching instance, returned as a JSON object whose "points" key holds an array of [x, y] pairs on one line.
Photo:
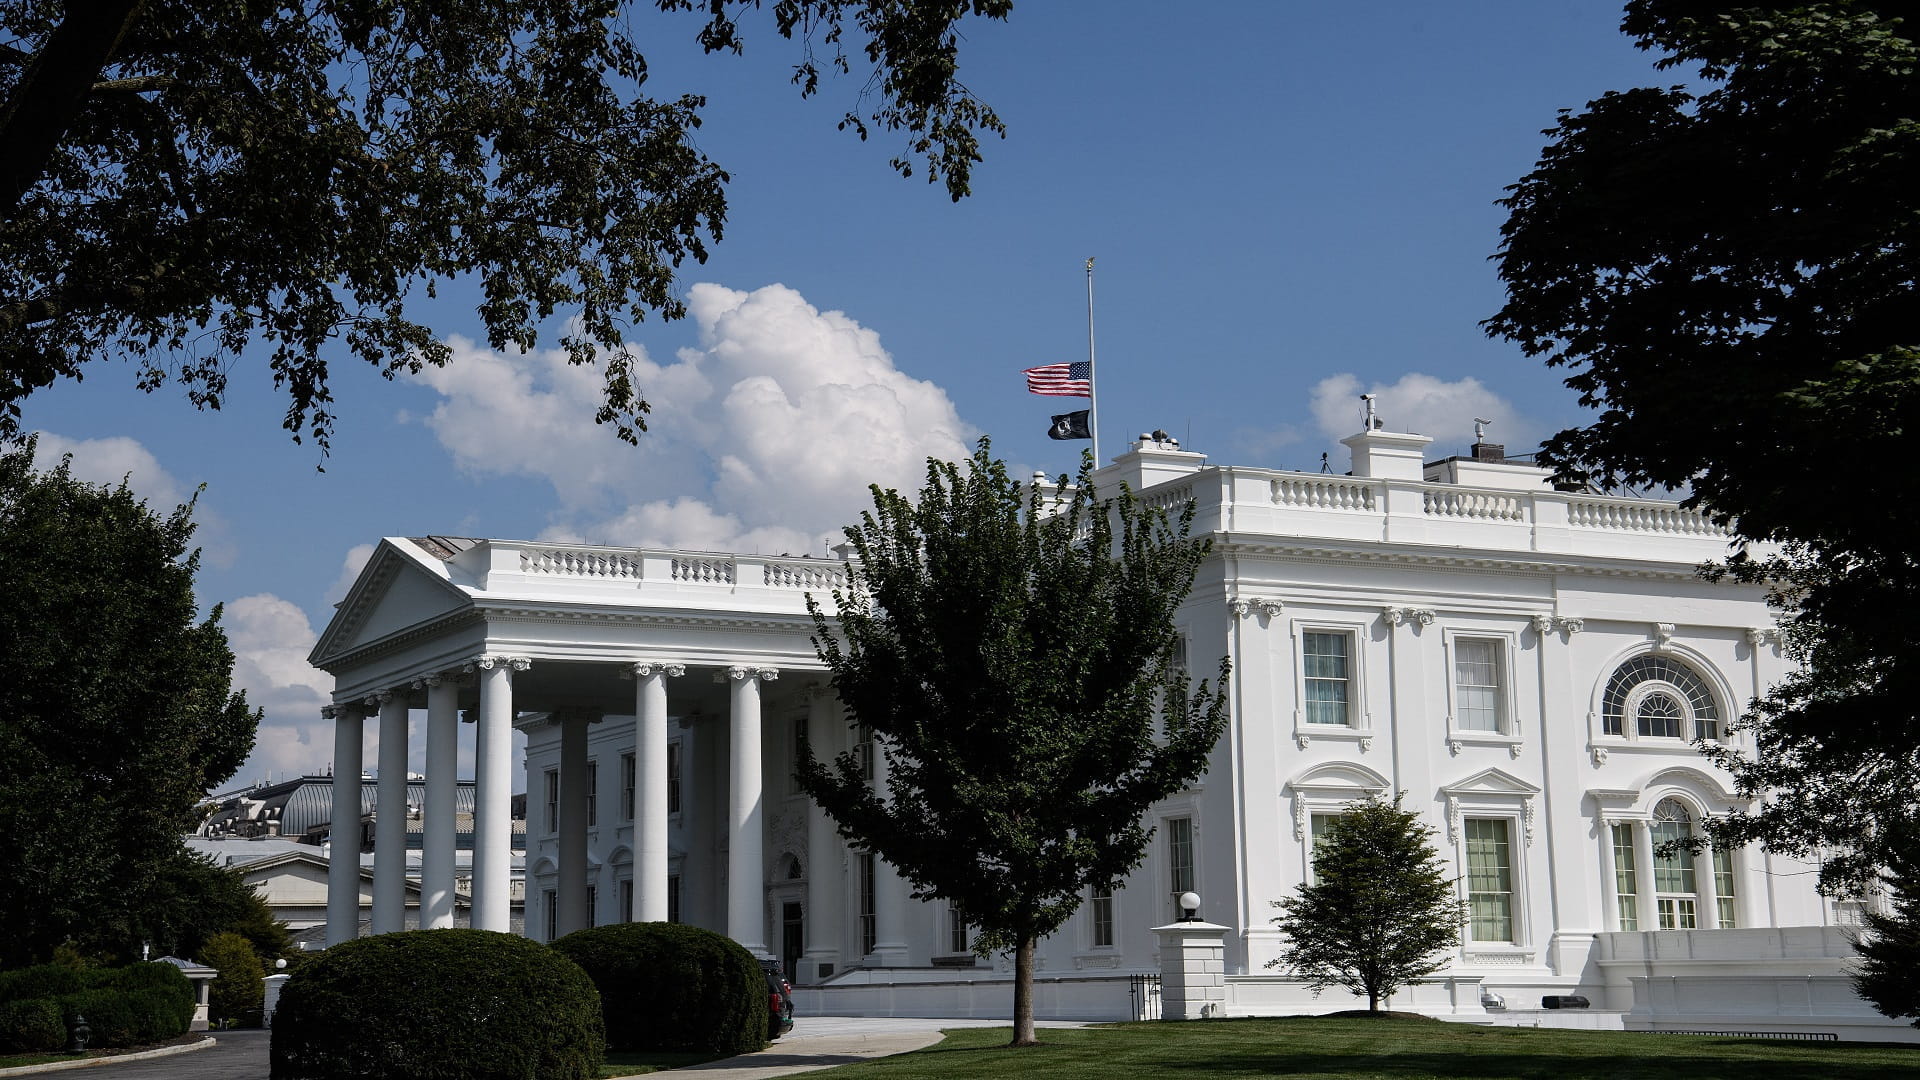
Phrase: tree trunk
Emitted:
{"points": [[1023, 992], [54, 88]]}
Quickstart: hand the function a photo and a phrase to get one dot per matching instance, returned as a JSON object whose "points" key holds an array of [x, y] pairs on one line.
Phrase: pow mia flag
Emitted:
{"points": [[1071, 425]]}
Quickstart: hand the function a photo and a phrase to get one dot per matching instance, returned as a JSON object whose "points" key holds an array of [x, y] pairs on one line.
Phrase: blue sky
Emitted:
{"points": [[1289, 202]]}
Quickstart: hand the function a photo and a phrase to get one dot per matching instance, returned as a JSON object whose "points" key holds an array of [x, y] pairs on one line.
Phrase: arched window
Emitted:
{"points": [[1675, 888], [1658, 697]]}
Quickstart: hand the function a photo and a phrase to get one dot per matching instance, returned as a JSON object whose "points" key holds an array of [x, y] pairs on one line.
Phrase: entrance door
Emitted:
{"points": [[791, 945]]}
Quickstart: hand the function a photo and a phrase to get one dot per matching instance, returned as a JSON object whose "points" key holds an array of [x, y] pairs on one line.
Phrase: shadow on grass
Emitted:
{"points": [[1531, 1066]]}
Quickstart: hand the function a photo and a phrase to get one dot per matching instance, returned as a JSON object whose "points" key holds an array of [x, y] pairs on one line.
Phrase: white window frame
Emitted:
{"points": [[1494, 794], [1515, 855], [1507, 646], [943, 943], [1359, 725], [1327, 790], [1093, 942], [1160, 861], [1628, 739]]}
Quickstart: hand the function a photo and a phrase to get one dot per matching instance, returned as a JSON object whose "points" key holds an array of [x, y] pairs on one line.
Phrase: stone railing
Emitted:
{"points": [[812, 574], [575, 562], [1472, 504], [1323, 493], [1638, 515], [703, 570], [629, 567]]}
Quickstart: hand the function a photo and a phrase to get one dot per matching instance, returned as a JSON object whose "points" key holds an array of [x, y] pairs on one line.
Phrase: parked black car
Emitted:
{"points": [[779, 1000]]}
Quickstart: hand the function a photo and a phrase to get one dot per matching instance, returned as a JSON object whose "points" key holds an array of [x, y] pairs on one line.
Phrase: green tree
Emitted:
{"points": [[1011, 648], [182, 181], [116, 714], [1380, 910], [239, 990], [1729, 273], [1889, 970]]}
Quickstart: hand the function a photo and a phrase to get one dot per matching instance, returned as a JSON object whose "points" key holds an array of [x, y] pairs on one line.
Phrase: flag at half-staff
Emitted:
{"points": [[1061, 380], [1071, 425]]}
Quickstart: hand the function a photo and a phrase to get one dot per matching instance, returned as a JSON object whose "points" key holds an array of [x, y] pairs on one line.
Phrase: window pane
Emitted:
{"points": [[673, 778], [1180, 854], [1100, 911], [1625, 878], [1489, 880], [1723, 885], [1672, 873], [626, 787], [1324, 664], [1476, 676]]}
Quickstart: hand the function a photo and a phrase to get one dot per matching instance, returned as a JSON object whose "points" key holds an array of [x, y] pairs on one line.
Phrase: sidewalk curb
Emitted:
{"points": [[87, 1063]]}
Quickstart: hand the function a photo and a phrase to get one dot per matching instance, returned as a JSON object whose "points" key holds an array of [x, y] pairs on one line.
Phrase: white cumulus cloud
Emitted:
{"points": [[117, 458], [1424, 405], [762, 438], [271, 638]]}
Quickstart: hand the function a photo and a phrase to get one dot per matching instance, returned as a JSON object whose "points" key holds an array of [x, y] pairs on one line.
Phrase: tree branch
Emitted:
{"points": [[54, 89]]}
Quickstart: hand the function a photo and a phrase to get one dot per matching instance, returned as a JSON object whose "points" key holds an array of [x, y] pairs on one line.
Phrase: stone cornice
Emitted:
{"points": [[1338, 552]]}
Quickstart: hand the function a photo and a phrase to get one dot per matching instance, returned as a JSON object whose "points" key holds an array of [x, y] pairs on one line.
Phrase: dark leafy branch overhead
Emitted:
{"points": [[187, 183]]}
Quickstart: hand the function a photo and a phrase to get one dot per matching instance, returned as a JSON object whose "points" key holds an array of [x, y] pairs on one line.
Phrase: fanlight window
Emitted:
{"points": [[1661, 698]]}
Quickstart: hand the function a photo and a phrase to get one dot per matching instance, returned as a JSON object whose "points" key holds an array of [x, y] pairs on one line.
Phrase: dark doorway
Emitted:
{"points": [[791, 945]]}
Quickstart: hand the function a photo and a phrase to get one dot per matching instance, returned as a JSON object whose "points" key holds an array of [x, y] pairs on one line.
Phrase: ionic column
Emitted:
{"points": [[1610, 879], [390, 816], [571, 888], [493, 795], [343, 830], [438, 814], [746, 867], [1707, 889], [1645, 887], [650, 851], [890, 894], [826, 881]]}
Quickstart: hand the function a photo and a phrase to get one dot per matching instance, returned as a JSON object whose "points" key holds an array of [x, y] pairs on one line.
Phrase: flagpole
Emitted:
{"points": [[1093, 383]]}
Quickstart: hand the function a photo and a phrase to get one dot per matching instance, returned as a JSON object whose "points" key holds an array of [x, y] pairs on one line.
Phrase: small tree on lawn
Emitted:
{"points": [[1380, 910], [1010, 646], [238, 991], [1889, 970]]}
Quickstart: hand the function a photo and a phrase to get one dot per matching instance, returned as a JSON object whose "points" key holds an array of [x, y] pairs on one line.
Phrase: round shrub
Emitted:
{"points": [[31, 1026], [667, 986], [438, 1005], [40, 981]]}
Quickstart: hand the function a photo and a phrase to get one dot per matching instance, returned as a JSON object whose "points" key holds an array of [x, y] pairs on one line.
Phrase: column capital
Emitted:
{"points": [[1763, 635], [743, 671], [645, 668], [1572, 624], [377, 699], [1419, 616], [1542, 625], [429, 680], [488, 663]]}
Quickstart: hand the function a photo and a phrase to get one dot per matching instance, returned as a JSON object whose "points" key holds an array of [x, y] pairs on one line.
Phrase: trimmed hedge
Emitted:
{"points": [[438, 1005], [668, 986], [128, 1006]]}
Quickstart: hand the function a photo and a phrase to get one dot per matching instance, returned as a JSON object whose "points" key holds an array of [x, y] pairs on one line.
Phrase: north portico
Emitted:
{"points": [[553, 639]]}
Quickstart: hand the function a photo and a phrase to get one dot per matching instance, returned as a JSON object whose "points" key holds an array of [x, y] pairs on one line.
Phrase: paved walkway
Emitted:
{"points": [[819, 1042]]}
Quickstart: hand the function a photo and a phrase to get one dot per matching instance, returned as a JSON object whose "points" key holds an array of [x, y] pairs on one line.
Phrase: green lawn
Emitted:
{"points": [[1379, 1050], [640, 1063]]}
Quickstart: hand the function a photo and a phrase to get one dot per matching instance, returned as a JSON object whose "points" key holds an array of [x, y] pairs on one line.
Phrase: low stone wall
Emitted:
{"points": [[986, 996]]}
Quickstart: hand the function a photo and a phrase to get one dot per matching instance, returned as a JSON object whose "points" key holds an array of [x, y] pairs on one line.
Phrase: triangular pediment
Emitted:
{"points": [[1490, 782], [397, 589]]}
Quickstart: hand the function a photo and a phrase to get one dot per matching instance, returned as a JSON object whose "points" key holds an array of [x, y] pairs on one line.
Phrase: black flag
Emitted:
{"points": [[1071, 425]]}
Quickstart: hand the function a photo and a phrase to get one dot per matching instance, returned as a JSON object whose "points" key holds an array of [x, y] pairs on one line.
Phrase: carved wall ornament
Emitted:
{"points": [[1394, 615], [1269, 607], [742, 671], [1419, 616], [429, 681], [1302, 740], [1453, 819], [1526, 820], [1663, 634], [1572, 624], [1454, 746], [377, 699], [488, 663], [645, 668], [1366, 744], [1515, 749], [1543, 625], [329, 712], [1763, 635], [1599, 756], [1299, 817], [1239, 608]]}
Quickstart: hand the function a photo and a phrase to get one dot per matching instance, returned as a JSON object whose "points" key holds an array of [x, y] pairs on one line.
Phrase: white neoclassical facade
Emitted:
{"points": [[1528, 666]]}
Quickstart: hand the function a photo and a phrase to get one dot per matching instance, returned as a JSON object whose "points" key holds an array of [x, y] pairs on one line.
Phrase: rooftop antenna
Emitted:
{"points": [[1372, 420], [1324, 467], [1480, 429]]}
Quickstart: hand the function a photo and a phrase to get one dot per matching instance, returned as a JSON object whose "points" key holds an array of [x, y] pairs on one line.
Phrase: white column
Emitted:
{"points": [[437, 816], [890, 892], [1610, 879], [390, 816], [1193, 981], [1643, 855], [343, 830], [570, 889], [746, 867], [650, 852], [1707, 889], [493, 797], [826, 881]]}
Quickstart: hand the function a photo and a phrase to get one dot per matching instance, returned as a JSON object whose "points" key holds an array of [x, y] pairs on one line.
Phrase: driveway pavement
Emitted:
{"points": [[818, 1042]]}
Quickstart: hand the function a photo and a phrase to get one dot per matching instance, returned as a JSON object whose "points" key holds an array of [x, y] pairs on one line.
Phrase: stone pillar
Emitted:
{"points": [[570, 889], [826, 876], [1570, 883], [746, 830], [270, 1000], [1609, 879], [493, 797], [890, 894], [650, 850], [390, 816], [1193, 970], [1643, 884], [1707, 889], [343, 829], [437, 817]]}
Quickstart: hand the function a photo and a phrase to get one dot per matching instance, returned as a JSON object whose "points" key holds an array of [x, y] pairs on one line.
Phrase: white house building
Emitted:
{"points": [[1529, 666]]}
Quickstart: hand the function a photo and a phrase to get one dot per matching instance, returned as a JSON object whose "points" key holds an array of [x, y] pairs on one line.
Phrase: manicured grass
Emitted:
{"points": [[638, 1063], [1379, 1050]]}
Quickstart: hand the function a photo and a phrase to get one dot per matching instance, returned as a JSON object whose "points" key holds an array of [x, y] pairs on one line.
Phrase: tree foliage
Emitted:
{"points": [[1011, 648], [116, 715], [1889, 970], [238, 991], [1729, 273], [1381, 910], [185, 181]]}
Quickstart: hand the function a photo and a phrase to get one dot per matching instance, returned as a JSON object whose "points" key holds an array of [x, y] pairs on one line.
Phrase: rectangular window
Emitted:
{"points": [[626, 787], [863, 747], [1724, 887], [1100, 914], [593, 793], [1326, 663], [673, 778], [673, 898], [553, 800], [1179, 857], [552, 900], [1477, 684], [1318, 824], [625, 914], [799, 747], [593, 905], [957, 941], [1489, 880], [868, 929], [1626, 887], [1673, 879]]}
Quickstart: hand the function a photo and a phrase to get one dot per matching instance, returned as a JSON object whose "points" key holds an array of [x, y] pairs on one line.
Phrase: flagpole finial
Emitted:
{"points": [[1089, 264]]}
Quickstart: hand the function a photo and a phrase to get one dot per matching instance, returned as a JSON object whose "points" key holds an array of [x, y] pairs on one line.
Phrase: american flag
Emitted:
{"points": [[1062, 380]]}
